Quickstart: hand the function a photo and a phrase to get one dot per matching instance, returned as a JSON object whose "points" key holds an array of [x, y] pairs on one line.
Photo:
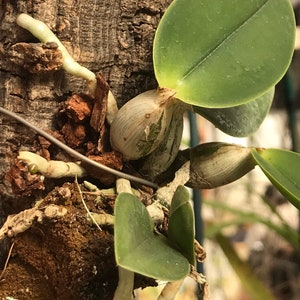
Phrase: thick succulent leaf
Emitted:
{"points": [[241, 120], [138, 249], [282, 168], [181, 224], [223, 53]]}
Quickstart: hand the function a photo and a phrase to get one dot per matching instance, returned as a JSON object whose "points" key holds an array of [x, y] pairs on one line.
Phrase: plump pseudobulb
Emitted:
{"points": [[140, 125]]}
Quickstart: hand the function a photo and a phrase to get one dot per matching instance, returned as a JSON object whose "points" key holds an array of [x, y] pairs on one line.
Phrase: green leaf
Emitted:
{"points": [[282, 168], [223, 53], [241, 120], [138, 249], [181, 224]]}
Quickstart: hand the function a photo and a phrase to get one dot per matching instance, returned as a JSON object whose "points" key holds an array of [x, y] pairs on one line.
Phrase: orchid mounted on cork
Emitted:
{"points": [[221, 60]]}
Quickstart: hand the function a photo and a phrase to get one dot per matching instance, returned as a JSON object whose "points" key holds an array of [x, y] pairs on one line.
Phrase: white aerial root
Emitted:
{"points": [[41, 31], [51, 168]]}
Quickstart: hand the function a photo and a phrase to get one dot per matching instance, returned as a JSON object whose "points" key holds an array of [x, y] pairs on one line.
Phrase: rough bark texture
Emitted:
{"points": [[67, 259]]}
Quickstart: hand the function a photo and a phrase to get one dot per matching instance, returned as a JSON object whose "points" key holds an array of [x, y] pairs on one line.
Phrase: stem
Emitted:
{"points": [[76, 154], [126, 277], [170, 290], [42, 32], [123, 186], [165, 193], [125, 285]]}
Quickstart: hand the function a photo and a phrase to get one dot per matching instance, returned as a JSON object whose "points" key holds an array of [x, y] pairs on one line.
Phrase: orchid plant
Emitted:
{"points": [[220, 59]]}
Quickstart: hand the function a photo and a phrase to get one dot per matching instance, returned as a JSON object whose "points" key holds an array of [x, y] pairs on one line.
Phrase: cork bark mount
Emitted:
{"points": [[69, 258]]}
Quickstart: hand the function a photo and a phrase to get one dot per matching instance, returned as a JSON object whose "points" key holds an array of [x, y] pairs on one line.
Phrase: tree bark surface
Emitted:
{"points": [[65, 260]]}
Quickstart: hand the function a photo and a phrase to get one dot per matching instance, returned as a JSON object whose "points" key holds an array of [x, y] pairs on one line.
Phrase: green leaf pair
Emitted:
{"points": [[139, 249]]}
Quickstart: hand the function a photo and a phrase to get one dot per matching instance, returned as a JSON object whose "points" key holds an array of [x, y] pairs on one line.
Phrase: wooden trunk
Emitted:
{"points": [[64, 261]]}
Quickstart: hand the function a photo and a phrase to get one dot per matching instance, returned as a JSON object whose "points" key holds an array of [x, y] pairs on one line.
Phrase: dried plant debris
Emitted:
{"points": [[42, 146], [203, 288], [98, 117], [200, 252], [100, 105]]}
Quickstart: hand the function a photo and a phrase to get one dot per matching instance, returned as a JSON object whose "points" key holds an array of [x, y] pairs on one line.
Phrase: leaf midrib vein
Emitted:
{"points": [[212, 51]]}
